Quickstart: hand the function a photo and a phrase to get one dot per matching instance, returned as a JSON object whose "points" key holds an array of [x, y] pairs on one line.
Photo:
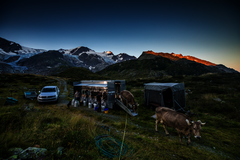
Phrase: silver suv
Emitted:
{"points": [[48, 94]]}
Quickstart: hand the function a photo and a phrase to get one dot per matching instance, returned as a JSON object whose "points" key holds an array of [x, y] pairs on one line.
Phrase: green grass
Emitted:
{"points": [[52, 126]]}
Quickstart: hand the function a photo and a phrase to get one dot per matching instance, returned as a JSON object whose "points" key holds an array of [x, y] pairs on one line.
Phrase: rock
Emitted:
{"points": [[217, 99], [15, 151], [28, 107], [60, 150], [32, 152], [13, 157]]}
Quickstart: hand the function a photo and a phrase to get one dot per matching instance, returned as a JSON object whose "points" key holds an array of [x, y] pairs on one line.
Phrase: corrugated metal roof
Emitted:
{"points": [[164, 86], [161, 84]]}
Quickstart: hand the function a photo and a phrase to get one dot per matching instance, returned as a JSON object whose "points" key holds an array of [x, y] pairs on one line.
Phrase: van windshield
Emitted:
{"points": [[48, 90]]}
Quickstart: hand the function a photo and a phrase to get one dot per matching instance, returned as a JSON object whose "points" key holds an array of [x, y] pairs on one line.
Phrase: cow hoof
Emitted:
{"points": [[157, 131], [188, 143], [167, 134]]}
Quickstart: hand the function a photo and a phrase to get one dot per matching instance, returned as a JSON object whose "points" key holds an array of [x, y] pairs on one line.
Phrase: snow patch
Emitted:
{"points": [[27, 50], [5, 53], [91, 68], [107, 58]]}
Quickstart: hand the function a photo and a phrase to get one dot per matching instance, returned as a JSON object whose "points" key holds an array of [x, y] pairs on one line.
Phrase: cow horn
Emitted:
{"points": [[201, 123], [188, 122]]}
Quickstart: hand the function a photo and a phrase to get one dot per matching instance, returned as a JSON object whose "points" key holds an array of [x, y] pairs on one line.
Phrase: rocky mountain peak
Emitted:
{"points": [[80, 49], [109, 53], [174, 57], [9, 46]]}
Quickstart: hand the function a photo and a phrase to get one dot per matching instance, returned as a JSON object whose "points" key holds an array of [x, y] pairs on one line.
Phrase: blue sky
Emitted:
{"points": [[205, 29]]}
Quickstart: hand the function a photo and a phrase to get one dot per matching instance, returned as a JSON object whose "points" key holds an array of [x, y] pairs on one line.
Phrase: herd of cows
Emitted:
{"points": [[169, 117]]}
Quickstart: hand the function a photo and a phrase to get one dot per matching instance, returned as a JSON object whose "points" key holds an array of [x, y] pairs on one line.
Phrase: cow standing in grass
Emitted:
{"points": [[128, 98], [179, 121]]}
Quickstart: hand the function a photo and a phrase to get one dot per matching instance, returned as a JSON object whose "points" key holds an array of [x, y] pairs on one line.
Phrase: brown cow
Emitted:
{"points": [[179, 121], [127, 97]]}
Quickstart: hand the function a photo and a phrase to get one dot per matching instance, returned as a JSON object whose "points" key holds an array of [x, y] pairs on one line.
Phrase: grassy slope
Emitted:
{"points": [[52, 126], [78, 73]]}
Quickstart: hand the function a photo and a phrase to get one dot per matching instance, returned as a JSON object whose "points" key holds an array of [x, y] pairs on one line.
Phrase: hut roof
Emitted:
{"points": [[163, 86]]}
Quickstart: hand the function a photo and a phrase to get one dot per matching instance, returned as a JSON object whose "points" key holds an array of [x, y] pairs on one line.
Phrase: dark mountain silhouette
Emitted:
{"points": [[174, 57], [44, 63], [160, 65]]}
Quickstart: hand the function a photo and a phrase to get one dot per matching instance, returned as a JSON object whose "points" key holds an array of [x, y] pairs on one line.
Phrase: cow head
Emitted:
{"points": [[135, 105], [196, 128]]}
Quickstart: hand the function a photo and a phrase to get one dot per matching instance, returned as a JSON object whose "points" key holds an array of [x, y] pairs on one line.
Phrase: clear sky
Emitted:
{"points": [[208, 30]]}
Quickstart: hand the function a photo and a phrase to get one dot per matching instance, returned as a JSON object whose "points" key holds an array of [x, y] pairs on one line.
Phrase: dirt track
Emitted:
{"points": [[63, 94]]}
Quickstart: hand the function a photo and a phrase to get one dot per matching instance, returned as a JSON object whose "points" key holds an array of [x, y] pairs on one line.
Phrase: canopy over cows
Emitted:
{"points": [[171, 95], [110, 88]]}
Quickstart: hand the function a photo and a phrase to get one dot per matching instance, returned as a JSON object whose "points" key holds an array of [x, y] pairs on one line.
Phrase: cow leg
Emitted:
{"points": [[156, 125], [165, 129], [134, 110], [189, 140], [180, 137]]}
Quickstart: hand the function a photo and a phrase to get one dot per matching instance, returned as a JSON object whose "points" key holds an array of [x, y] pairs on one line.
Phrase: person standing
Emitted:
{"points": [[87, 96], [99, 98], [77, 95]]}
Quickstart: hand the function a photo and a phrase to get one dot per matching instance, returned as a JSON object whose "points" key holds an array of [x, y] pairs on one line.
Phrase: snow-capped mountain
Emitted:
{"points": [[11, 53], [11, 48], [107, 56], [94, 61], [15, 58], [19, 58]]}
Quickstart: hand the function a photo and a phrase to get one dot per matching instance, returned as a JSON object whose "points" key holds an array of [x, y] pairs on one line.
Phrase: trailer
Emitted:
{"points": [[110, 90], [31, 93]]}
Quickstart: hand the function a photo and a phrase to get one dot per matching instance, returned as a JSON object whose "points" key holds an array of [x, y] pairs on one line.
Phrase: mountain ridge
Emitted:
{"points": [[179, 58], [176, 57], [157, 66], [11, 53], [15, 58]]}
